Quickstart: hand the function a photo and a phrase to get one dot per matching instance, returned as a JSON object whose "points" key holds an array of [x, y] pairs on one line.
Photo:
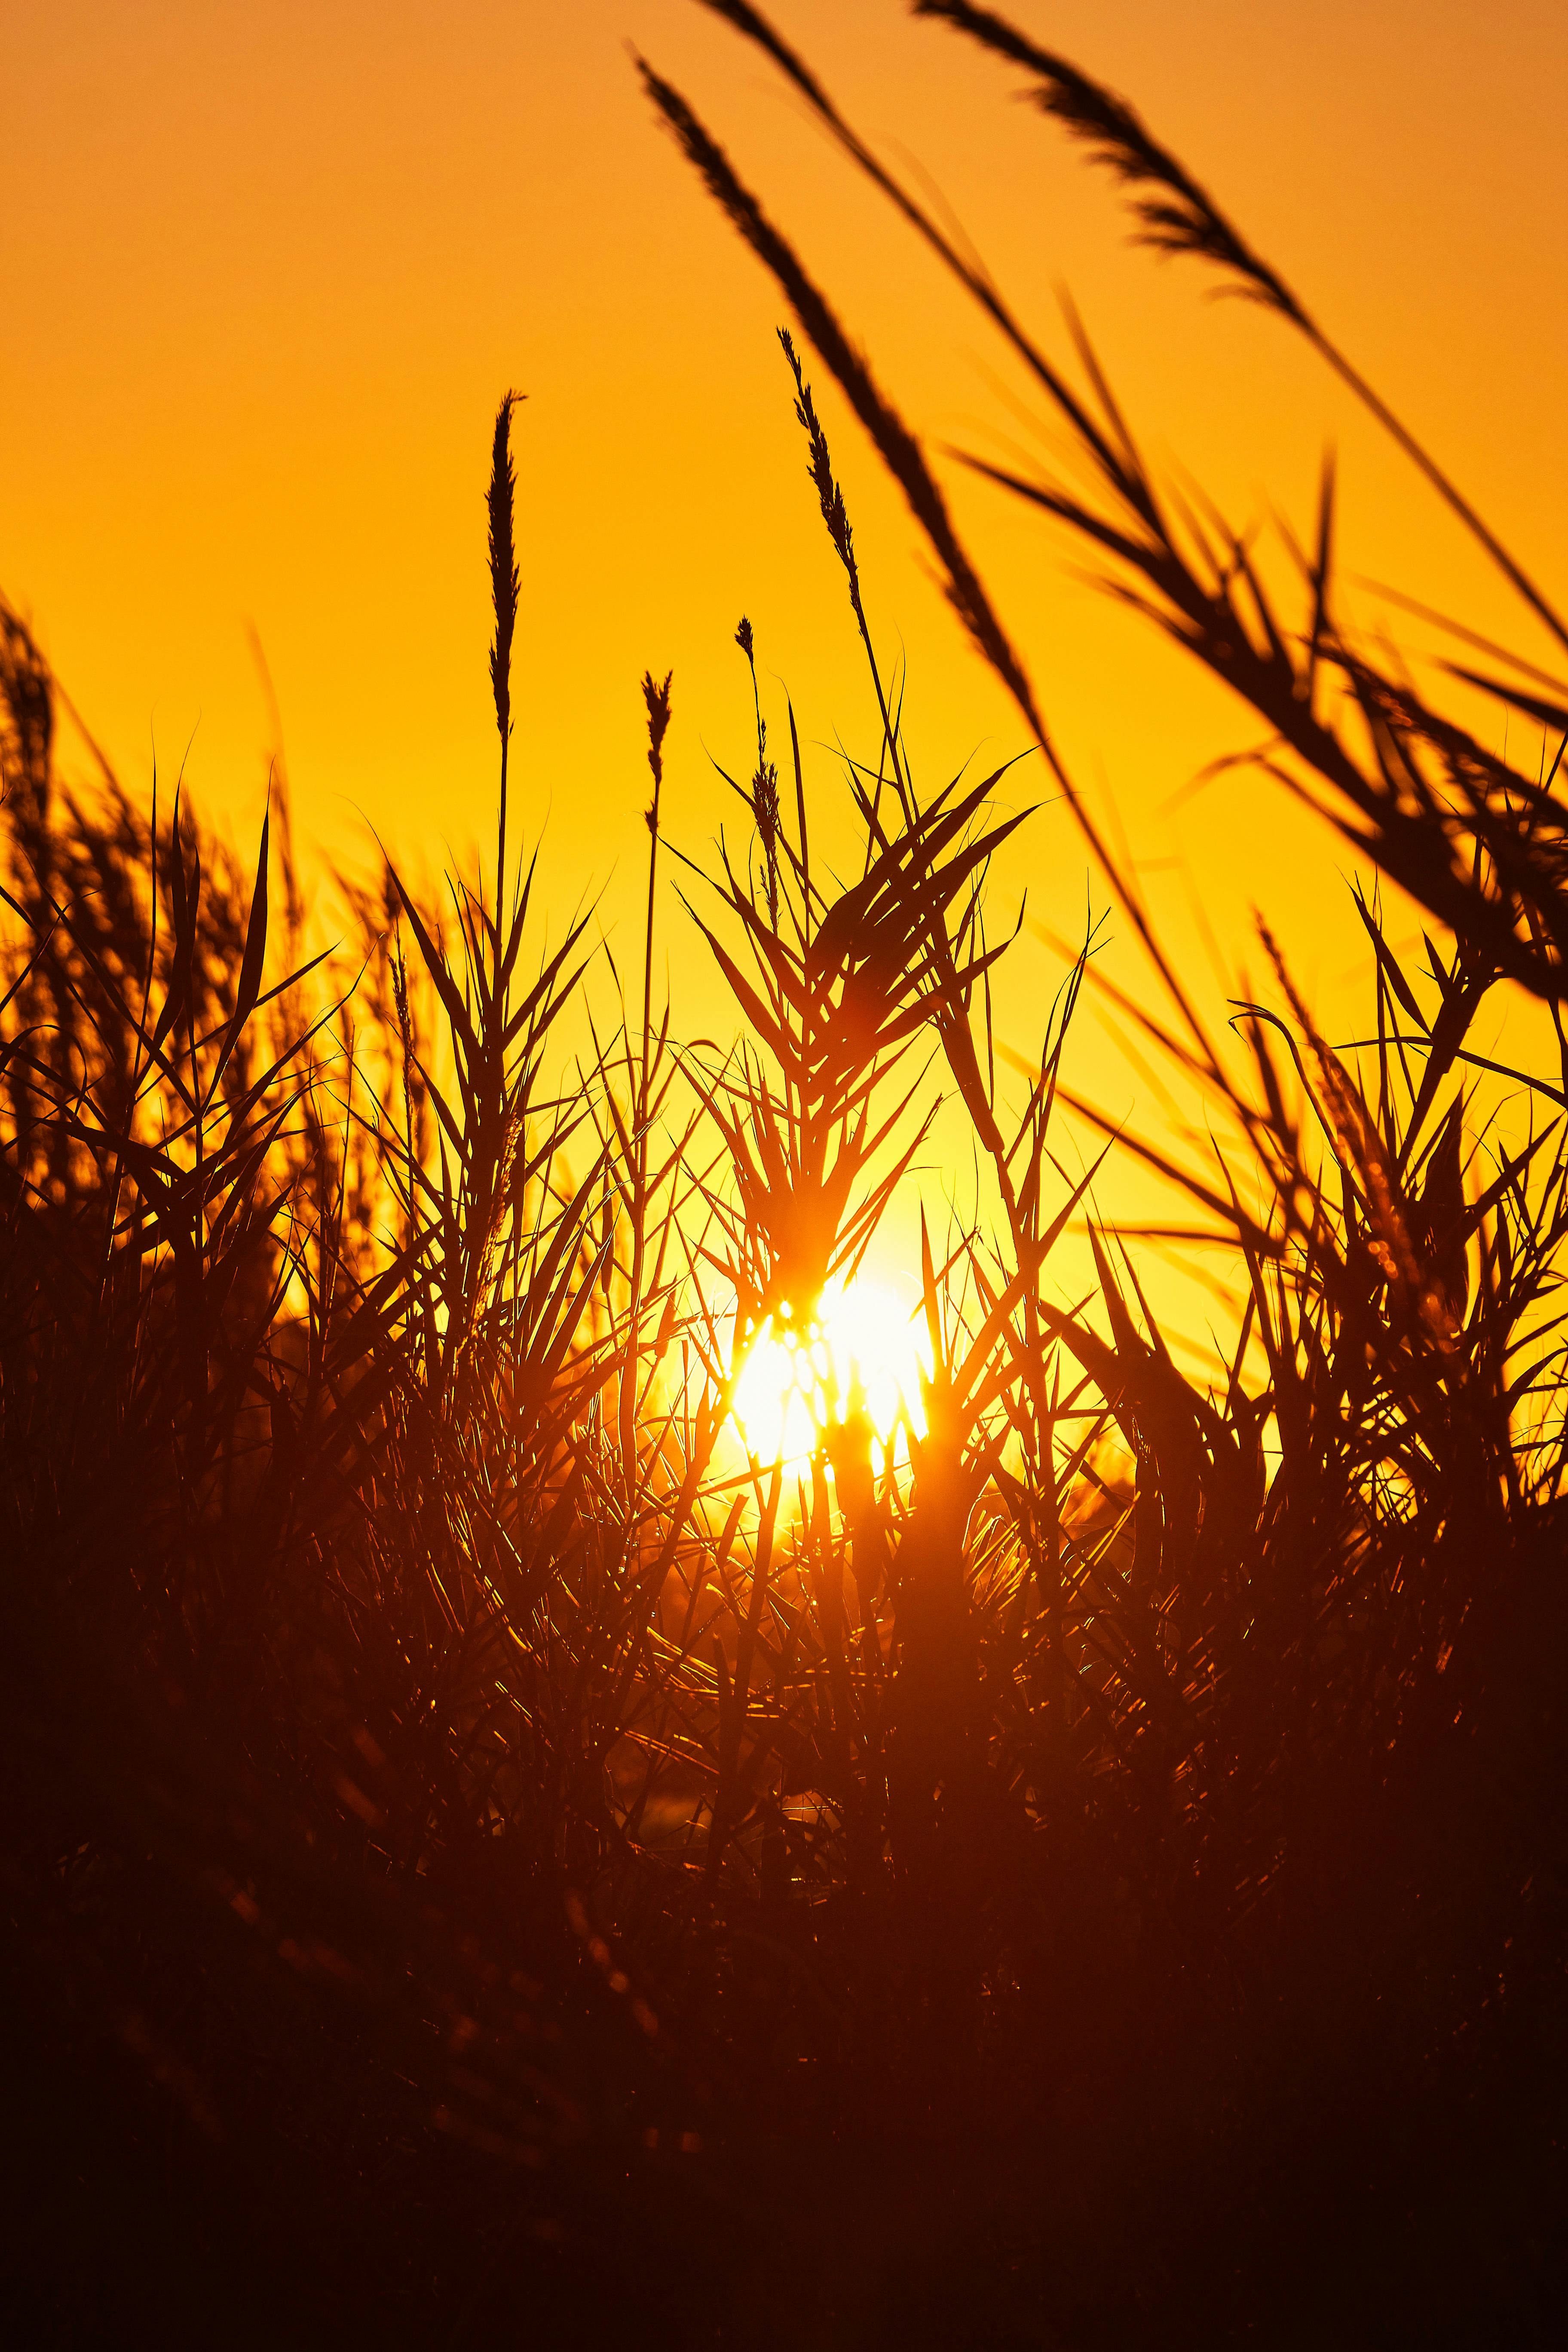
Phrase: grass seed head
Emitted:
{"points": [[505, 582]]}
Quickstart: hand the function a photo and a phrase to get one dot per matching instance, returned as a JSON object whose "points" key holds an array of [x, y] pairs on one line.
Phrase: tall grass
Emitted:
{"points": [[1092, 1865]]}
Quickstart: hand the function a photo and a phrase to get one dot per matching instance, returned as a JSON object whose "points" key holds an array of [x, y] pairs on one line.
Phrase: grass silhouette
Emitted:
{"points": [[485, 1853]]}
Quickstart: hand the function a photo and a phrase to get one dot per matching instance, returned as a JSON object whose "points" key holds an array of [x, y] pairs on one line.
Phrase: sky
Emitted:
{"points": [[264, 271]]}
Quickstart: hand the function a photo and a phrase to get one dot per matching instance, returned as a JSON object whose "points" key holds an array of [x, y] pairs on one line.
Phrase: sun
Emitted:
{"points": [[860, 1347]]}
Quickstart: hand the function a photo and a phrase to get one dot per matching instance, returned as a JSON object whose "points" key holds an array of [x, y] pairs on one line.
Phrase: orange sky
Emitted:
{"points": [[267, 270]]}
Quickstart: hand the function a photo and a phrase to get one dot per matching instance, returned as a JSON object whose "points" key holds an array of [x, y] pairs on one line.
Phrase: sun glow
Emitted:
{"points": [[860, 1348]]}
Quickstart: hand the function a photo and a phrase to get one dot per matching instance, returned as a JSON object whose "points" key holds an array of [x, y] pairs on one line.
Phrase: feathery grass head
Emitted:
{"points": [[763, 797], [1178, 215], [834, 513], [1181, 216], [656, 700], [765, 808], [505, 583]]}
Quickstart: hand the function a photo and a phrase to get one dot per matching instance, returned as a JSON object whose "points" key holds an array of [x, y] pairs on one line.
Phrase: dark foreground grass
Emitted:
{"points": [[484, 1860]]}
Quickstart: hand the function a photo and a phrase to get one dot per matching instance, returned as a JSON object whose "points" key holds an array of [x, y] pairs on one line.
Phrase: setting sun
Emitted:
{"points": [[862, 1345]]}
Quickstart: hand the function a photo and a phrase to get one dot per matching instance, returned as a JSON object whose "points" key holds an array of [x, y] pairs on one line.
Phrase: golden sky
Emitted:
{"points": [[267, 268]]}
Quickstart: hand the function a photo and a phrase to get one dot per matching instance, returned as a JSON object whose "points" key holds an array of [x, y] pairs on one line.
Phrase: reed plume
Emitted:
{"points": [[506, 586], [1180, 217]]}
